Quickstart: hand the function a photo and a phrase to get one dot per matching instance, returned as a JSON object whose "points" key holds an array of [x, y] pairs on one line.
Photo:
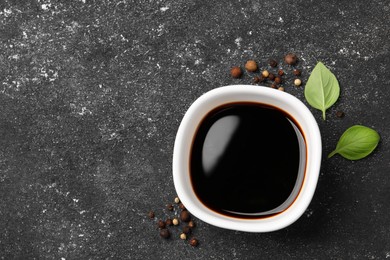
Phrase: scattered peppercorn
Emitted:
{"points": [[164, 233], [340, 114], [191, 224], [274, 86], [194, 242], [185, 216], [297, 82], [273, 63], [280, 72], [265, 73], [168, 222], [256, 79], [291, 59], [281, 88], [271, 76], [262, 79], [181, 206], [187, 230], [151, 214], [161, 224], [236, 72], [297, 72], [277, 80], [183, 236], [251, 66]]}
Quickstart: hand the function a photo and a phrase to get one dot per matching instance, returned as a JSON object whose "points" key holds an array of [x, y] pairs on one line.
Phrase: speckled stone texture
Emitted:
{"points": [[92, 94]]}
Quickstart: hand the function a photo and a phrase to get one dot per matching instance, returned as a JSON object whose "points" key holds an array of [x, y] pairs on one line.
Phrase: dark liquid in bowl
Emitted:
{"points": [[245, 159]]}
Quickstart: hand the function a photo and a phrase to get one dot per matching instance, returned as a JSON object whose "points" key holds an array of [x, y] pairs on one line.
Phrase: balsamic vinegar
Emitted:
{"points": [[245, 159]]}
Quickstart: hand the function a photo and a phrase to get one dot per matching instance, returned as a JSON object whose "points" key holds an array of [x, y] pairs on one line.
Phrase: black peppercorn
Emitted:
{"points": [[151, 214], [271, 76], [164, 233], [187, 230], [194, 242], [262, 79], [297, 72], [170, 207], [236, 72], [169, 222], [185, 216], [161, 224], [277, 80], [291, 59], [273, 63], [340, 114]]}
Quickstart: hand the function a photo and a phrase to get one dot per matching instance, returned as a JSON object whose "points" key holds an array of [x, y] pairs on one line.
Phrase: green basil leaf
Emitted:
{"points": [[356, 142], [322, 88]]}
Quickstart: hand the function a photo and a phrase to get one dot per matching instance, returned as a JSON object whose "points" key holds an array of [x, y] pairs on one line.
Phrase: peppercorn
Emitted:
{"points": [[281, 88], [271, 76], [151, 214], [194, 242], [291, 59], [274, 86], [262, 79], [251, 66], [297, 82], [277, 80], [273, 63], [185, 216], [191, 224], [175, 221], [164, 233], [170, 207], [177, 200], [236, 72], [256, 79], [181, 206], [297, 72], [183, 236], [168, 222], [280, 72], [340, 114], [265, 73], [161, 224], [187, 230]]}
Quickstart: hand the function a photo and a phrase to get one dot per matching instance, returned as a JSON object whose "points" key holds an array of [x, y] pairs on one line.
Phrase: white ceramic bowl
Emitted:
{"points": [[246, 93]]}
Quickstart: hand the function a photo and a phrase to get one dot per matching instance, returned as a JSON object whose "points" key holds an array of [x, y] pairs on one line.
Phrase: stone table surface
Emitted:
{"points": [[92, 94]]}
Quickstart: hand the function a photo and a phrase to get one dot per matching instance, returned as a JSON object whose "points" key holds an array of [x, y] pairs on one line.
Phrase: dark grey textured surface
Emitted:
{"points": [[92, 93]]}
